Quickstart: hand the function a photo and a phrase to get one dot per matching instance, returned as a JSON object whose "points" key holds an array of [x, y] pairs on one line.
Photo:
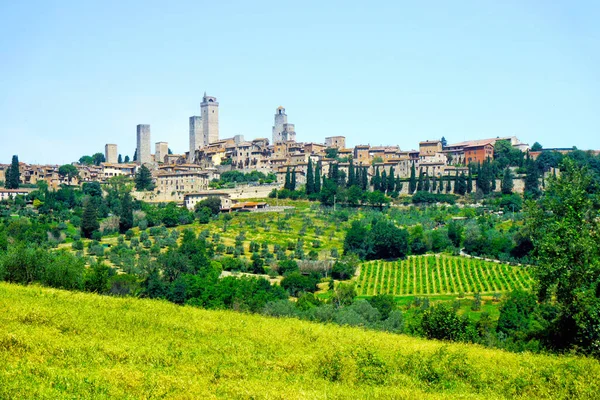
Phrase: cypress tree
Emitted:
{"points": [[461, 184], [13, 175], [376, 180], [433, 184], [532, 185], [398, 185], [420, 182], [426, 184], [469, 181], [391, 181], [293, 180], [120, 159], [310, 179], [287, 182], [317, 180], [365, 179], [89, 219], [412, 183], [126, 215], [351, 174], [455, 182], [448, 184], [507, 182], [135, 155], [383, 182]]}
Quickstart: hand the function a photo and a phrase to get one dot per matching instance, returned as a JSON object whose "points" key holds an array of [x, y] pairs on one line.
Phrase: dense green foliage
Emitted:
{"points": [[565, 226], [143, 179]]}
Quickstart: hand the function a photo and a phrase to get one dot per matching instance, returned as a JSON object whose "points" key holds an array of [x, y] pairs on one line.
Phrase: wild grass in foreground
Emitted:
{"points": [[59, 344]]}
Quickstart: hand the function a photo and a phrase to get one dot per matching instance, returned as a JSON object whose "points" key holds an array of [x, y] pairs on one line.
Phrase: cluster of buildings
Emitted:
{"points": [[209, 155]]}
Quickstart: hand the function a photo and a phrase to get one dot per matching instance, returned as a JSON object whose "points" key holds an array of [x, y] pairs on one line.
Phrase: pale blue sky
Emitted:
{"points": [[75, 75]]}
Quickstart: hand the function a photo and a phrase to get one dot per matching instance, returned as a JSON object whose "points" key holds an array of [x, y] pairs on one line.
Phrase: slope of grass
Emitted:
{"points": [[58, 344]]}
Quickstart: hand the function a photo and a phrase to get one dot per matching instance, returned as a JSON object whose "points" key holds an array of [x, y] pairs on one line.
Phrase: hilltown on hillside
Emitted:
{"points": [[186, 178]]}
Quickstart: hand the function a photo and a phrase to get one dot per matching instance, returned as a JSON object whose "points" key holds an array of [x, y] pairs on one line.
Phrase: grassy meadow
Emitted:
{"points": [[59, 344]]}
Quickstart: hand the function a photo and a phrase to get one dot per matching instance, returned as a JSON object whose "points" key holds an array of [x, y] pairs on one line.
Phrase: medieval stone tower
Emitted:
{"points": [[110, 153], [196, 136], [280, 120], [204, 129], [282, 131], [144, 155], [209, 110]]}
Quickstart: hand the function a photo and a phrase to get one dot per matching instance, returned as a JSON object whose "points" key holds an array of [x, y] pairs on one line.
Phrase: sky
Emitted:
{"points": [[75, 75]]}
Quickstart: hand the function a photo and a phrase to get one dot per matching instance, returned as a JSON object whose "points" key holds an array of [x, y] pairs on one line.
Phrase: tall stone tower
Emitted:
{"points": [[209, 110], [144, 155], [110, 153], [280, 121], [161, 149], [196, 136]]}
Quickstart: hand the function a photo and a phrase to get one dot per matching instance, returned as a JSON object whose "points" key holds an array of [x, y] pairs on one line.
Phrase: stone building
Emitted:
{"points": [[144, 155], [336, 141], [430, 147], [177, 184], [110, 153], [191, 199], [160, 151], [113, 169]]}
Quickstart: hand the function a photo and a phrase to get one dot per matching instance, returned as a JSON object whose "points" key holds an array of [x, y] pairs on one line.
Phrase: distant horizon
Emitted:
{"points": [[78, 75]]}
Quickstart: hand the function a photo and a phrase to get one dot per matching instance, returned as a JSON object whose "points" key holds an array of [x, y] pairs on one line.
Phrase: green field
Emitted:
{"points": [[440, 275], [58, 344]]}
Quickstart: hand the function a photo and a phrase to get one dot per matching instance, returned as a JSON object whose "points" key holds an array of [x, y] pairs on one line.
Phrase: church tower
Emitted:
{"points": [[209, 111], [280, 121]]}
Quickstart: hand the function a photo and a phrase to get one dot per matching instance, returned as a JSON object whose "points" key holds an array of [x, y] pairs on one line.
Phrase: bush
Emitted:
{"points": [[96, 250], [286, 267], [280, 308], [384, 303], [97, 235], [296, 283], [429, 198], [441, 322], [345, 268], [77, 245]]}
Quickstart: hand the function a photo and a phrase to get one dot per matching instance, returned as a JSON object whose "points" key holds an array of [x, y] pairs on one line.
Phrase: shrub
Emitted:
{"points": [[441, 322], [280, 308]]}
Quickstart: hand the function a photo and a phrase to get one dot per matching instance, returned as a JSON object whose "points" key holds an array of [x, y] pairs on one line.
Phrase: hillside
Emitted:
{"points": [[58, 344]]}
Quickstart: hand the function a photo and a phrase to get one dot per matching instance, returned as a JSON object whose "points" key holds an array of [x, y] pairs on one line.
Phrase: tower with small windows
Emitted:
{"points": [[209, 111], [280, 121]]}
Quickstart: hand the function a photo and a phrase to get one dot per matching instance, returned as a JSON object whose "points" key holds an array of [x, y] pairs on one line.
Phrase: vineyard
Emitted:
{"points": [[432, 275]]}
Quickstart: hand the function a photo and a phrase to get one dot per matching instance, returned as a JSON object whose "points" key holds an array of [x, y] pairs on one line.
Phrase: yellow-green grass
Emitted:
{"points": [[58, 344], [435, 275]]}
